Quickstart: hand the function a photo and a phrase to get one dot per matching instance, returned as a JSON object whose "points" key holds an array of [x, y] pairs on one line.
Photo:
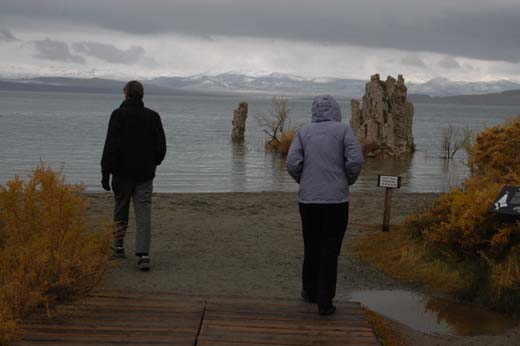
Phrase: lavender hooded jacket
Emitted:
{"points": [[325, 156]]}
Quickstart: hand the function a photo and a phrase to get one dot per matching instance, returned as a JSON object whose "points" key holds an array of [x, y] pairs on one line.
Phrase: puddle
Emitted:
{"points": [[433, 315]]}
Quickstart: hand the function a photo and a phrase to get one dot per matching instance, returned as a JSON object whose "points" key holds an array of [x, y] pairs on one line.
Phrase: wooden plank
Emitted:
{"points": [[94, 317], [213, 329], [166, 319], [283, 324], [297, 324], [101, 337], [69, 329], [227, 301], [98, 343], [288, 315], [304, 334], [309, 317], [119, 321], [204, 342], [273, 323], [290, 340], [296, 338]]}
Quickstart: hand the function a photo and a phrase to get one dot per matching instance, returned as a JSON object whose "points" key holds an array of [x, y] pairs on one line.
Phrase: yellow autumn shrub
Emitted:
{"points": [[459, 227], [282, 144], [286, 139], [48, 251], [496, 154]]}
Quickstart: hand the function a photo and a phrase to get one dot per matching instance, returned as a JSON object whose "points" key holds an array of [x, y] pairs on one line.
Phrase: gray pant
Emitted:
{"points": [[141, 195]]}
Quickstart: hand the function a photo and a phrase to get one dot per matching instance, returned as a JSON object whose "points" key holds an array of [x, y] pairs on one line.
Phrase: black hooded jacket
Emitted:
{"points": [[135, 144]]}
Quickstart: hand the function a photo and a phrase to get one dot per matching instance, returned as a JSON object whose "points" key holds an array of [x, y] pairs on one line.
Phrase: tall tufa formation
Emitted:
{"points": [[239, 122], [383, 124]]}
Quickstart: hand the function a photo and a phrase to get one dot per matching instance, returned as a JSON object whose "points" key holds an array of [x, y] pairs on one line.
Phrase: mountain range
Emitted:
{"points": [[435, 90], [273, 83], [295, 85]]}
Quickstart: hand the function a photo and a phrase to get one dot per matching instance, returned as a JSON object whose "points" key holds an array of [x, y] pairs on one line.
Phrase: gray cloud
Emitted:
{"points": [[412, 60], [56, 50], [110, 53], [449, 63], [6, 35], [470, 28], [473, 68]]}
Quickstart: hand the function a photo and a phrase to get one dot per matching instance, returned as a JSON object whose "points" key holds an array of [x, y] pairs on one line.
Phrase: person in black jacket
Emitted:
{"points": [[135, 145]]}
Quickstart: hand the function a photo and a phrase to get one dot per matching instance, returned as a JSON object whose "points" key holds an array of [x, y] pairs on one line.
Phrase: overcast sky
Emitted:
{"points": [[422, 39]]}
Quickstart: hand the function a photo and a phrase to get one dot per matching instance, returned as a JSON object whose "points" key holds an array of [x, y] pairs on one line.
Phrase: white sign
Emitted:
{"points": [[389, 181]]}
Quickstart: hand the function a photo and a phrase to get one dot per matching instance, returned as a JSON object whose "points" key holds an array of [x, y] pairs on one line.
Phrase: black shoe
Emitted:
{"points": [[307, 297], [143, 263], [325, 310], [117, 252]]}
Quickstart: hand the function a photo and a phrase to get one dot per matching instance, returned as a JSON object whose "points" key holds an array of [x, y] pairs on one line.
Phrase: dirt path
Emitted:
{"points": [[249, 244]]}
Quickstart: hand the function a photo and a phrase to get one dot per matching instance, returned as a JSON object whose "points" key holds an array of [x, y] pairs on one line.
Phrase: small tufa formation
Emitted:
{"points": [[383, 124], [239, 122]]}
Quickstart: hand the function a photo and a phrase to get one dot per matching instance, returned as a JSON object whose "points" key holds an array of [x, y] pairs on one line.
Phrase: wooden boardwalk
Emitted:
{"points": [[163, 319]]}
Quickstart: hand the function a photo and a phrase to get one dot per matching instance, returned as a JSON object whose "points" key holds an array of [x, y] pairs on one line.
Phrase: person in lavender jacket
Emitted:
{"points": [[325, 159]]}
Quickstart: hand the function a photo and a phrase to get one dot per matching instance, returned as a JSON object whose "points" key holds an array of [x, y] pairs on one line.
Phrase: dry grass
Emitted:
{"points": [[286, 140], [48, 252], [405, 259], [505, 283]]}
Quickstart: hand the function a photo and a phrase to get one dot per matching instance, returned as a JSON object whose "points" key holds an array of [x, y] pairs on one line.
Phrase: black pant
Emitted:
{"points": [[323, 226]]}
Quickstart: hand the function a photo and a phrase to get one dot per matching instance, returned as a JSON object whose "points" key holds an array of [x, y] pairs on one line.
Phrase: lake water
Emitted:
{"points": [[68, 130]]}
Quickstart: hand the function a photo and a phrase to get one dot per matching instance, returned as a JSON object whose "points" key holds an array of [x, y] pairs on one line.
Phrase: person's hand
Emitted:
{"points": [[105, 182]]}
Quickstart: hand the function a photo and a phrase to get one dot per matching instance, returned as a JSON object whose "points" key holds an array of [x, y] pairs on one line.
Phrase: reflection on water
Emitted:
{"points": [[418, 173], [238, 166], [433, 315]]}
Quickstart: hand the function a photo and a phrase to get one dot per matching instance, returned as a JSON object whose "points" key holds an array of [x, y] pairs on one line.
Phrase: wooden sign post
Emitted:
{"points": [[389, 182]]}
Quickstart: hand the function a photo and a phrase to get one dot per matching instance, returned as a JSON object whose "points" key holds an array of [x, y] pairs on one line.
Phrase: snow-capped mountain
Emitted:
{"points": [[272, 83], [446, 87], [296, 85]]}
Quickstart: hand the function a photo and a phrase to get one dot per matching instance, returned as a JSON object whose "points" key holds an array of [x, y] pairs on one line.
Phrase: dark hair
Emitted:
{"points": [[134, 90]]}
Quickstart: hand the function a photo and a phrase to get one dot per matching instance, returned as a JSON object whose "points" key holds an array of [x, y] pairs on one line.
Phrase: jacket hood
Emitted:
{"points": [[325, 108]]}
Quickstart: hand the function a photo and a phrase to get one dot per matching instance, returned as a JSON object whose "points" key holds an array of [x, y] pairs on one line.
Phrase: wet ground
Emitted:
{"points": [[434, 315]]}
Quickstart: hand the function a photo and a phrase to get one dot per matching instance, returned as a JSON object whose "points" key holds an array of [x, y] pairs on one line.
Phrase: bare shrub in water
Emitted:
{"points": [[48, 251], [276, 124], [454, 139]]}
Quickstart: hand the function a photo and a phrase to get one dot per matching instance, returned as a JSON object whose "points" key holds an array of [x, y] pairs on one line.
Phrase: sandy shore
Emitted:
{"points": [[246, 244], [250, 244]]}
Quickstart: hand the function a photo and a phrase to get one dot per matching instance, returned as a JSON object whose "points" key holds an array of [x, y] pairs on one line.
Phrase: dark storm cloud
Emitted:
{"points": [[56, 50], [6, 35], [110, 53], [488, 30]]}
